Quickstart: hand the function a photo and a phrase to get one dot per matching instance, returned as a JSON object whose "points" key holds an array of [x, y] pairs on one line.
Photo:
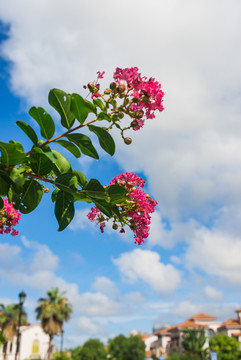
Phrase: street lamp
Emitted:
{"points": [[22, 297]]}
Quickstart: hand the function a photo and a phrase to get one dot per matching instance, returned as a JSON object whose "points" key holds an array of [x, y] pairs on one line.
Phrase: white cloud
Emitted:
{"points": [[215, 253], [106, 286], [90, 327], [80, 221], [213, 293], [97, 304], [145, 265]]}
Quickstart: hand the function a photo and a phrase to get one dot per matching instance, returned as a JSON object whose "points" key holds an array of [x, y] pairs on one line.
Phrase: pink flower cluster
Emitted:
{"points": [[136, 211], [147, 95], [9, 217]]}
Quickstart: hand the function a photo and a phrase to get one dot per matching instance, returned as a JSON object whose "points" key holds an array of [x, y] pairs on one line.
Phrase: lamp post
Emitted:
{"points": [[22, 297]]}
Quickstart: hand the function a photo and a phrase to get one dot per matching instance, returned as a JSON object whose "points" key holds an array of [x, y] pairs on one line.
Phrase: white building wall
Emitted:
{"points": [[33, 344]]}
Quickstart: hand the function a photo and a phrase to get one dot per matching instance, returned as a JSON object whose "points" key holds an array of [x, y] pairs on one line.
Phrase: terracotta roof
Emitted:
{"points": [[231, 322], [236, 334], [238, 310], [202, 316], [164, 331], [189, 324]]}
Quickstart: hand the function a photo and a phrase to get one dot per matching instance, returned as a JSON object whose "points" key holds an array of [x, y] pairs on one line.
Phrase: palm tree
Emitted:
{"points": [[53, 311], [9, 316]]}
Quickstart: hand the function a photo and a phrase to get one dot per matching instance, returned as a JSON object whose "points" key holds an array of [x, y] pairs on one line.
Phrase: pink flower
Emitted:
{"points": [[147, 94], [136, 211], [100, 74], [9, 217]]}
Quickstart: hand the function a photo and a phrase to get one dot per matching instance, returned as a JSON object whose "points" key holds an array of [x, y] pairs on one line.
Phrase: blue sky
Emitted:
{"points": [[190, 156]]}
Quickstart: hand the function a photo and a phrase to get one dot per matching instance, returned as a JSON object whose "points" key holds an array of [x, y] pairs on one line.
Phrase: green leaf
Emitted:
{"points": [[67, 182], [40, 163], [94, 189], [70, 147], [103, 116], [81, 197], [54, 195], [81, 108], [1, 203], [44, 120], [30, 197], [61, 101], [12, 153], [85, 144], [61, 164], [103, 206], [5, 183], [98, 102], [116, 211], [81, 178], [105, 139], [117, 193], [29, 131], [64, 209], [114, 103]]}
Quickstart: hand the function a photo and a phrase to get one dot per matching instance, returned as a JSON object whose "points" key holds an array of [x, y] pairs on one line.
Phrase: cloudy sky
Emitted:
{"points": [[190, 155]]}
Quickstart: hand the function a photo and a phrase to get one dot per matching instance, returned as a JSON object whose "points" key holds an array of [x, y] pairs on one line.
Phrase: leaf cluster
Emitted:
{"points": [[25, 175], [128, 348]]}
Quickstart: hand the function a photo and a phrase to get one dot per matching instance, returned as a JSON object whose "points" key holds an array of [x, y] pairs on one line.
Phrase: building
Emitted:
{"points": [[169, 340], [232, 327], [34, 344]]}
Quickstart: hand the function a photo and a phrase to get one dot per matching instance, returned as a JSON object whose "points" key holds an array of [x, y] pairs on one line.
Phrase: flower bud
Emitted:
{"points": [[113, 86], [121, 88], [107, 91], [133, 226], [135, 100], [92, 88], [134, 123], [128, 140], [115, 226], [139, 114], [46, 190]]}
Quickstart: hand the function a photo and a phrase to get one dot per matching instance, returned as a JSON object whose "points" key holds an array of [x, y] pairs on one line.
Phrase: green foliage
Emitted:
{"points": [[93, 349], [9, 318], [53, 311], [75, 353], [193, 341], [58, 355], [25, 175], [2, 339], [226, 347], [184, 357], [128, 348]]}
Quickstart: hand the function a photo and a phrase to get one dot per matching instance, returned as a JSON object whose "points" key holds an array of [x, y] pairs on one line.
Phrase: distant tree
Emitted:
{"points": [[127, 348], [226, 347], [9, 316], [93, 349], [53, 311], [58, 355], [193, 341], [75, 353]]}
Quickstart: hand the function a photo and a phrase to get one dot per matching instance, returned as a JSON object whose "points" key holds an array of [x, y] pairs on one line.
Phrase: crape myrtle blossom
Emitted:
{"points": [[147, 95], [135, 211], [140, 96], [9, 217]]}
